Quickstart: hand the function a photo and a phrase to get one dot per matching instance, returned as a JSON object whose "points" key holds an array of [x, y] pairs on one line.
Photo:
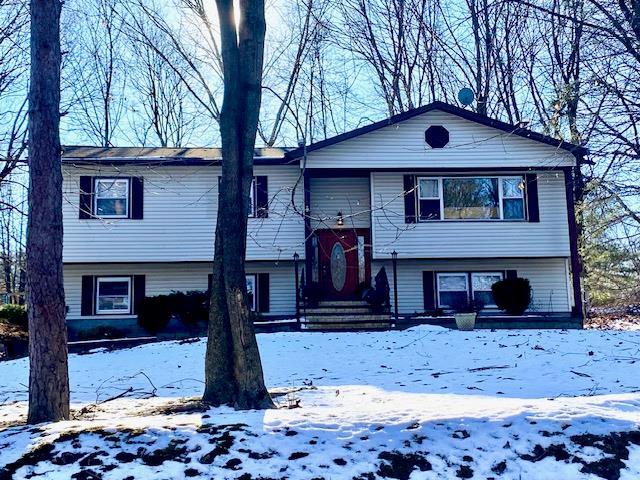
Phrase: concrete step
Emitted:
{"points": [[343, 303], [337, 309], [347, 318]]}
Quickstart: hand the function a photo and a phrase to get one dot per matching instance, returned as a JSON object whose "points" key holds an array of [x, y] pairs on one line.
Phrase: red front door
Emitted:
{"points": [[338, 263]]}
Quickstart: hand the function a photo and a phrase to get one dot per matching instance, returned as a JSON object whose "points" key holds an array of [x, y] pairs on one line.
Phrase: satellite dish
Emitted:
{"points": [[466, 96]]}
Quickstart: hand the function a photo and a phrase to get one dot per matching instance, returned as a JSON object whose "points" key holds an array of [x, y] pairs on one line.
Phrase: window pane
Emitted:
{"points": [[484, 281], [453, 299], [112, 188], [470, 198], [119, 288], [484, 298], [513, 208], [108, 206], [512, 188], [429, 209], [113, 303], [452, 282], [429, 188]]}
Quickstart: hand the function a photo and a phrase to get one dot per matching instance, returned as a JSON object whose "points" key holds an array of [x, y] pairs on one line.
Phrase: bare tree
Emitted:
{"points": [[97, 65], [233, 370], [48, 368], [165, 110]]}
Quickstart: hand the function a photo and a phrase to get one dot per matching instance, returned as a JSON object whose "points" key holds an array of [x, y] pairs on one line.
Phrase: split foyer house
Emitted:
{"points": [[454, 199]]}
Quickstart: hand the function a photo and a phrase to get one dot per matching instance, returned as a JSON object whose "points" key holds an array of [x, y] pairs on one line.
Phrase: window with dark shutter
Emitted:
{"points": [[262, 305], [87, 307], [86, 198], [139, 291], [429, 291], [137, 198], [262, 196], [409, 199], [533, 211]]}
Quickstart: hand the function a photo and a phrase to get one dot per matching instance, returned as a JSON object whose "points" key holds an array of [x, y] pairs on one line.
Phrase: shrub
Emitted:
{"points": [[14, 314], [190, 307], [154, 313], [513, 295]]}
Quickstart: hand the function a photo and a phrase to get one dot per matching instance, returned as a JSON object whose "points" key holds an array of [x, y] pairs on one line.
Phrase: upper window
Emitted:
{"points": [[471, 198], [513, 198], [113, 295], [429, 198], [112, 197]]}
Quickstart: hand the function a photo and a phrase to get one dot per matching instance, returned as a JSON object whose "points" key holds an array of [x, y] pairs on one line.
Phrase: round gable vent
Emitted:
{"points": [[436, 136]]}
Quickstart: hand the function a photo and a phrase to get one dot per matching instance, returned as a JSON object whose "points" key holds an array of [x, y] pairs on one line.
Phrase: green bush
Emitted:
{"points": [[14, 314], [190, 307], [513, 295], [154, 313]]}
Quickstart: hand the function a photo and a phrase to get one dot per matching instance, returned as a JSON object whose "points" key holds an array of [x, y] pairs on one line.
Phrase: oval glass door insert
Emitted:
{"points": [[338, 266]]}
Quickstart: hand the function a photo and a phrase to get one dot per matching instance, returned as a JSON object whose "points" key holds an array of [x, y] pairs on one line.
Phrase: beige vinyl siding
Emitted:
{"points": [[180, 209], [470, 145], [464, 238], [348, 195], [548, 278], [165, 278]]}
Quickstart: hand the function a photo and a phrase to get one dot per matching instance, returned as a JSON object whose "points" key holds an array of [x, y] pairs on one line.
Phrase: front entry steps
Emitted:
{"points": [[344, 315]]}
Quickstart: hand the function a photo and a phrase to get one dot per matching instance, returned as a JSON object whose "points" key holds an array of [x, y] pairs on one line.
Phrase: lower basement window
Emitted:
{"points": [[113, 295]]}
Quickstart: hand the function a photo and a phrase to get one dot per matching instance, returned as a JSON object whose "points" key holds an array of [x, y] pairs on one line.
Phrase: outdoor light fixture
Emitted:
{"points": [[340, 220], [394, 255], [296, 256]]}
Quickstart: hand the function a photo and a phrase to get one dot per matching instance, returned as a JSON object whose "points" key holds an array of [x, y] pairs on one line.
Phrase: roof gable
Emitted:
{"points": [[577, 150]]}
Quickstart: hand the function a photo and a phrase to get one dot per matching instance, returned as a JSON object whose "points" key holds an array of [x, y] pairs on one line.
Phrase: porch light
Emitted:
{"points": [[340, 220], [296, 256], [394, 255]]}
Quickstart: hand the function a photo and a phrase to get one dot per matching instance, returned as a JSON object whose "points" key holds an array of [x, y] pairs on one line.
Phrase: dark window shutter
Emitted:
{"points": [[137, 198], [87, 295], [209, 283], [511, 274], [262, 303], [262, 197], [533, 212], [410, 199], [86, 198], [138, 291], [429, 291]]}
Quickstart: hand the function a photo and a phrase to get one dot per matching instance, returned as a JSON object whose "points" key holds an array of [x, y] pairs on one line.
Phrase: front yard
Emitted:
{"points": [[422, 403]]}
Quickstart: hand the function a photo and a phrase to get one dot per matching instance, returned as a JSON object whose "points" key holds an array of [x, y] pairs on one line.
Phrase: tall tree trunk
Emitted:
{"points": [[233, 370], [48, 374]]}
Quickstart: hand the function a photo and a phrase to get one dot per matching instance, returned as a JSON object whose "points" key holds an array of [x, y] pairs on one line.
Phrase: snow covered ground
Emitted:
{"points": [[422, 403]]}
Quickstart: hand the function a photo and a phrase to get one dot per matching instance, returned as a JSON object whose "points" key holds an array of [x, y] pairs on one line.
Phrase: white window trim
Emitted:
{"points": [[97, 300], [500, 199], [450, 274], [96, 198], [255, 290], [473, 291]]}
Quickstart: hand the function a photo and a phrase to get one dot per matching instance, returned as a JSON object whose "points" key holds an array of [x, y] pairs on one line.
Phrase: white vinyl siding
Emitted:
{"points": [[165, 278], [349, 196], [471, 145], [548, 278], [464, 238], [180, 209]]}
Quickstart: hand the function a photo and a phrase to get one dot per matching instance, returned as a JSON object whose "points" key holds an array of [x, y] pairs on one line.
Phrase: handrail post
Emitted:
{"points": [[394, 260], [295, 269]]}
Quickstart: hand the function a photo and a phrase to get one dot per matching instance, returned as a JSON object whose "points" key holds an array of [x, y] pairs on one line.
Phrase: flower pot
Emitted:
{"points": [[465, 321]]}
